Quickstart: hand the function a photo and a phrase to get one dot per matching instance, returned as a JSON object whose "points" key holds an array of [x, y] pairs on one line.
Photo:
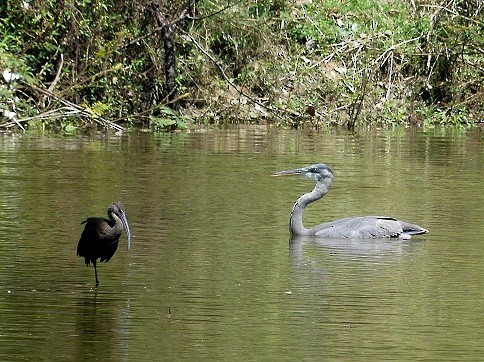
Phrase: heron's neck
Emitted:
{"points": [[296, 226]]}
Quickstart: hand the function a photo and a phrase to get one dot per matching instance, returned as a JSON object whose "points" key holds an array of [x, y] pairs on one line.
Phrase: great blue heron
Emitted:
{"points": [[100, 236], [353, 227]]}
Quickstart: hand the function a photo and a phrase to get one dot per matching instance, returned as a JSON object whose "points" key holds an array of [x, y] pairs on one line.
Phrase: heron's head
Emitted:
{"points": [[317, 172], [117, 208]]}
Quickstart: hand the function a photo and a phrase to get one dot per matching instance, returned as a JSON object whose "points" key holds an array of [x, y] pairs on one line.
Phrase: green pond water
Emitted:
{"points": [[212, 273]]}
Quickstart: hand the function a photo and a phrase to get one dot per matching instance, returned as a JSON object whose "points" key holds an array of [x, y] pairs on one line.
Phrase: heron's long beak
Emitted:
{"points": [[296, 171], [126, 226]]}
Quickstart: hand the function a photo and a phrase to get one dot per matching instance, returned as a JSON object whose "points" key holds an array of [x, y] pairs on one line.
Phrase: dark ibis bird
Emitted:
{"points": [[100, 237], [354, 227]]}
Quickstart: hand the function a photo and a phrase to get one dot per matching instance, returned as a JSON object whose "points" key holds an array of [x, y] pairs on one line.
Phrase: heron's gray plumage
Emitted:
{"points": [[353, 227]]}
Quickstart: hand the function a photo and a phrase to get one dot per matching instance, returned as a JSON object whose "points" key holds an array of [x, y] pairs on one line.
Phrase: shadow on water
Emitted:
{"points": [[307, 251], [352, 248], [99, 325]]}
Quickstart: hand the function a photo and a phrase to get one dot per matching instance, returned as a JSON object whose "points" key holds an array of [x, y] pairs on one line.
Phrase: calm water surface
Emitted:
{"points": [[212, 273]]}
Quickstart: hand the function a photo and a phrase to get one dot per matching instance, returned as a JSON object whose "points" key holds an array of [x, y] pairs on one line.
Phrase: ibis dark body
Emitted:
{"points": [[100, 237], [361, 227]]}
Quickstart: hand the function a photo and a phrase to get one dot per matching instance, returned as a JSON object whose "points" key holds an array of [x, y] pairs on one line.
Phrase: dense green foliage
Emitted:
{"points": [[292, 62]]}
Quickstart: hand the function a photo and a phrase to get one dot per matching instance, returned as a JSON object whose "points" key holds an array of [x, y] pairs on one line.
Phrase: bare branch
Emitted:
{"points": [[229, 81], [74, 110]]}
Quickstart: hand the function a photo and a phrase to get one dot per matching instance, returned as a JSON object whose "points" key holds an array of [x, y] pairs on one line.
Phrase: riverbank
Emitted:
{"points": [[294, 64]]}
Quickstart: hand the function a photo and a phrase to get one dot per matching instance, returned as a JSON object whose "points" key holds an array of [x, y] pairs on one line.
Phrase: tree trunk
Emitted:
{"points": [[170, 68]]}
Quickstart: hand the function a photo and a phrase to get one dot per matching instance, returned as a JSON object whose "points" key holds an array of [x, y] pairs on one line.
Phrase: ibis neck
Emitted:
{"points": [[116, 223]]}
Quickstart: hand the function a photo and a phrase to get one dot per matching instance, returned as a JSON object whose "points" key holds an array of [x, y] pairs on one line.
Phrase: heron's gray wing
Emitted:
{"points": [[360, 227]]}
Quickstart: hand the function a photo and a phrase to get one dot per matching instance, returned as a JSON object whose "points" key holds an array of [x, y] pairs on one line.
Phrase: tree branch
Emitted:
{"points": [[219, 67], [73, 110]]}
